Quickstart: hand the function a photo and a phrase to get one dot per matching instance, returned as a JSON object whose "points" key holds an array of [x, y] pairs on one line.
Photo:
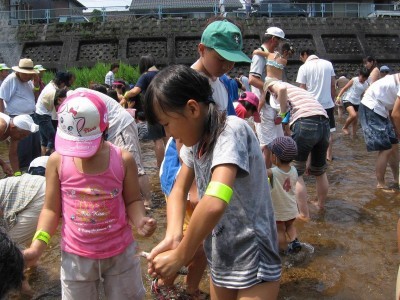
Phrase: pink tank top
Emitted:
{"points": [[95, 223]]}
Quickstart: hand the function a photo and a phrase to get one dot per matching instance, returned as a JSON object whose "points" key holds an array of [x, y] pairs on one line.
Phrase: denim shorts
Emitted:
{"points": [[46, 129], [311, 135], [378, 131]]}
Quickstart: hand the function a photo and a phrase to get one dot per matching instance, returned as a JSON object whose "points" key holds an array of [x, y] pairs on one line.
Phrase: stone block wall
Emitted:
{"points": [[344, 41]]}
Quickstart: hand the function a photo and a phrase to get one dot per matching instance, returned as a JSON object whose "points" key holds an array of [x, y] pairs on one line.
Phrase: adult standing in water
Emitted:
{"points": [[380, 132], [267, 130], [317, 76], [148, 70]]}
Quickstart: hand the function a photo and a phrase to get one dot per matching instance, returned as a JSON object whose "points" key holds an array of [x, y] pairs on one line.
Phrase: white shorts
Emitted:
{"points": [[267, 131], [128, 140], [80, 276]]}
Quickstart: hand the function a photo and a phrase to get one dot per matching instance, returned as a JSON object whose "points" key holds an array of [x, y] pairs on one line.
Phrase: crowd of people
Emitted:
{"points": [[232, 154]]}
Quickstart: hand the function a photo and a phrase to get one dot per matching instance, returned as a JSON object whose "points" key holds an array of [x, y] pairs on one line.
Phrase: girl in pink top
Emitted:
{"points": [[94, 186]]}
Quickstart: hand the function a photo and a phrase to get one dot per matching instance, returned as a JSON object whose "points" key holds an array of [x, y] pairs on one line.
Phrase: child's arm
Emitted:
{"points": [[343, 90], [51, 211], [133, 200], [261, 53], [176, 207], [206, 215]]}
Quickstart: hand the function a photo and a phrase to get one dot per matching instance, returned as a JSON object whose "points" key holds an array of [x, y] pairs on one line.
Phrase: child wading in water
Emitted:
{"points": [[89, 183], [235, 215], [283, 179], [350, 96]]}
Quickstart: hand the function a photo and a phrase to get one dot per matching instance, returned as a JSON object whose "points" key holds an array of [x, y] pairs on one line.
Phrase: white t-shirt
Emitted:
{"points": [[257, 69], [382, 94], [220, 94], [317, 75], [109, 79], [353, 94], [48, 91], [118, 117], [283, 194], [18, 96]]}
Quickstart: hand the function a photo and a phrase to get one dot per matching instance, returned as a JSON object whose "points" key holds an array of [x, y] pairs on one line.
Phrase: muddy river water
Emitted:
{"points": [[354, 240]]}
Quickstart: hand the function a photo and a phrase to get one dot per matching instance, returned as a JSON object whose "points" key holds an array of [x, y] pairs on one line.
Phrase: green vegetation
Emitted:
{"points": [[84, 76]]}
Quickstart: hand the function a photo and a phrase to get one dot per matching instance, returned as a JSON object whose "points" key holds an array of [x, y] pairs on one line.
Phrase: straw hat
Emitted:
{"points": [[25, 65]]}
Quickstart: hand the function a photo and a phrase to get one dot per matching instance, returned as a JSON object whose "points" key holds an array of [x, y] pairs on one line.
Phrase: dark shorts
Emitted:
{"points": [[331, 116], [378, 131], [311, 135], [46, 129], [155, 132], [29, 147], [347, 104]]}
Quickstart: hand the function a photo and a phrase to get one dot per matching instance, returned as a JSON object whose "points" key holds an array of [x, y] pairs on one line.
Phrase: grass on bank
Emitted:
{"points": [[84, 76]]}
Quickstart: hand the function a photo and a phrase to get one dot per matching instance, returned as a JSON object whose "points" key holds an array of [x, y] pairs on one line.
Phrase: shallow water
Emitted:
{"points": [[354, 240]]}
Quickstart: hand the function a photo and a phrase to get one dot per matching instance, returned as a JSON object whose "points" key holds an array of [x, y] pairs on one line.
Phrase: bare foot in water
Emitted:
{"points": [[315, 203], [301, 217], [345, 131]]}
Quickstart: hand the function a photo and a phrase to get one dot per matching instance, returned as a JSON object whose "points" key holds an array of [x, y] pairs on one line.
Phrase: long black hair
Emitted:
{"points": [[145, 63], [171, 89]]}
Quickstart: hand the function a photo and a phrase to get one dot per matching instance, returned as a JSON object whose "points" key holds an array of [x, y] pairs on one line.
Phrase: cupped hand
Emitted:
{"points": [[165, 245], [167, 264]]}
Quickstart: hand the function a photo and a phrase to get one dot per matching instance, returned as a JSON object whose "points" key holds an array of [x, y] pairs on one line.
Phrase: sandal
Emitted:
{"points": [[197, 295], [164, 292]]}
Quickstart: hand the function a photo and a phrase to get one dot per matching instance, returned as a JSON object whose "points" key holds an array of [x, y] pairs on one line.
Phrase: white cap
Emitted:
{"points": [[39, 68], [25, 122], [275, 31], [40, 161]]}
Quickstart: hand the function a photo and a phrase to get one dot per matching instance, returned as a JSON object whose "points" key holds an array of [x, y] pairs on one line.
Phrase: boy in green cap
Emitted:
{"points": [[220, 47]]}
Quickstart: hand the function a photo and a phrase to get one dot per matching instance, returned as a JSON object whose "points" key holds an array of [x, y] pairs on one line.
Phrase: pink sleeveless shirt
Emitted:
{"points": [[95, 223]]}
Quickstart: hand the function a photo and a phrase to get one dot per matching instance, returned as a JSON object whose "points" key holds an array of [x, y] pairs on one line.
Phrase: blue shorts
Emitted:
{"points": [[378, 131], [311, 135]]}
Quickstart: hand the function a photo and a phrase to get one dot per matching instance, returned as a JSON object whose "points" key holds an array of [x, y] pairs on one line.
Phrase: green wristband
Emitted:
{"points": [[219, 190], [42, 235], [283, 115], [18, 173]]}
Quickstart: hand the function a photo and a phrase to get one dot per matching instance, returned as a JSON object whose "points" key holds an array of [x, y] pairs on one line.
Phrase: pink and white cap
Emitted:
{"points": [[82, 119]]}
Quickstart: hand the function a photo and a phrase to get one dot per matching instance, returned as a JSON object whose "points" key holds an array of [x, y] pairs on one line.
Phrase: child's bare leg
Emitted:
{"points": [[354, 125], [291, 230], [195, 270], [350, 119], [159, 149], [145, 189], [301, 198], [261, 291], [281, 229]]}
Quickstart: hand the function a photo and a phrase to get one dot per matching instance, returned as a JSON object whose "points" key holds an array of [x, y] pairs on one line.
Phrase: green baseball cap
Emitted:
{"points": [[225, 38]]}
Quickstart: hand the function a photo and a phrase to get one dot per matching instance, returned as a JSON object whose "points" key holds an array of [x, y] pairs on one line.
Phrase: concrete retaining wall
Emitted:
{"points": [[344, 41]]}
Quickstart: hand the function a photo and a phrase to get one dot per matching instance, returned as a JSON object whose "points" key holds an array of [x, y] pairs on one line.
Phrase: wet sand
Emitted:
{"points": [[355, 247]]}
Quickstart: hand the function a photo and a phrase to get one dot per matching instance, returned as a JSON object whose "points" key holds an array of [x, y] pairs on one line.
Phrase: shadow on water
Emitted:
{"points": [[354, 241]]}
